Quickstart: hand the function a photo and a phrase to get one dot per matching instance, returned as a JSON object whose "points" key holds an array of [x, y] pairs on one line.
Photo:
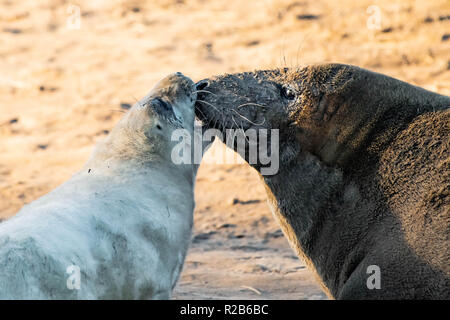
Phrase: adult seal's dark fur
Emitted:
{"points": [[363, 180]]}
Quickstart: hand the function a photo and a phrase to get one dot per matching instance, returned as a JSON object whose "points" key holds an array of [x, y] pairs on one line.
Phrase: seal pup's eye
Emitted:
{"points": [[288, 93], [158, 127], [161, 104]]}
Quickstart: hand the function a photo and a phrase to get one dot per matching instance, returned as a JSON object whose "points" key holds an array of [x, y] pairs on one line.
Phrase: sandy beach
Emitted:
{"points": [[69, 70]]}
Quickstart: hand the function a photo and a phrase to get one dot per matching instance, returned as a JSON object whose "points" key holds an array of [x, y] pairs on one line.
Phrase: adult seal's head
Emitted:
{"points": [[144, 135], [330, 110], [362, 186]]}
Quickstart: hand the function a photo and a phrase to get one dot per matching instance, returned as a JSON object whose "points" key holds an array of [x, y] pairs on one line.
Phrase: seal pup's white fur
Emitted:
{"points": [[125, 220]]}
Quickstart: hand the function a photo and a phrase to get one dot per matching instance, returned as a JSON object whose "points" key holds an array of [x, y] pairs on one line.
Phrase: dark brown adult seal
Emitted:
{"points": [[362, 190]]}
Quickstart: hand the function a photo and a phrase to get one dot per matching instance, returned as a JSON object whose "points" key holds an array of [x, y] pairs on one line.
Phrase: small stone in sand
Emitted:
{"points": [[42, 146], [12, 30], [307, 17], [125, 106]]}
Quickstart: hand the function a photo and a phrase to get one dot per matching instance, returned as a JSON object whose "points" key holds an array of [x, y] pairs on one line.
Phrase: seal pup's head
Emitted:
{"points": [[144, 134]]}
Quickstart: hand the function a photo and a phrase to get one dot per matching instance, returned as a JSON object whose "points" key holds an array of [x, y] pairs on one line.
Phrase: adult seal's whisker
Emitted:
{"points": [[199, 110], [209, 104], [206, 91], [251, 104], [240, 128], [245, 118]]}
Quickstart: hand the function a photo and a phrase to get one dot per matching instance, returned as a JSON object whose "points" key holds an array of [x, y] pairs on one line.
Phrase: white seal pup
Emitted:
{"points": [[118, 229]]}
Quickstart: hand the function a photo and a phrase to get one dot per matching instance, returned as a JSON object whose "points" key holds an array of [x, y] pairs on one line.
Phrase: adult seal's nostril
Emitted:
{"points": [[201, 92], [202, 84]]}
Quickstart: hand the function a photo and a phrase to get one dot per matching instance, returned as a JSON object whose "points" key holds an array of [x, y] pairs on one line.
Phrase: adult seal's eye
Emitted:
{"points": [[288, 93]]}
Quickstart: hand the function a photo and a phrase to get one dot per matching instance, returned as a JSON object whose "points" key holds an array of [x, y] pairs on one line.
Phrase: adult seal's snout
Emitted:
{"points": [[202, 84]]}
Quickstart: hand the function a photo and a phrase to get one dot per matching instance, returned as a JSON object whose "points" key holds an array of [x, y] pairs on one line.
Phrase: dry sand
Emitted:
{"points": [[63, 80]]}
